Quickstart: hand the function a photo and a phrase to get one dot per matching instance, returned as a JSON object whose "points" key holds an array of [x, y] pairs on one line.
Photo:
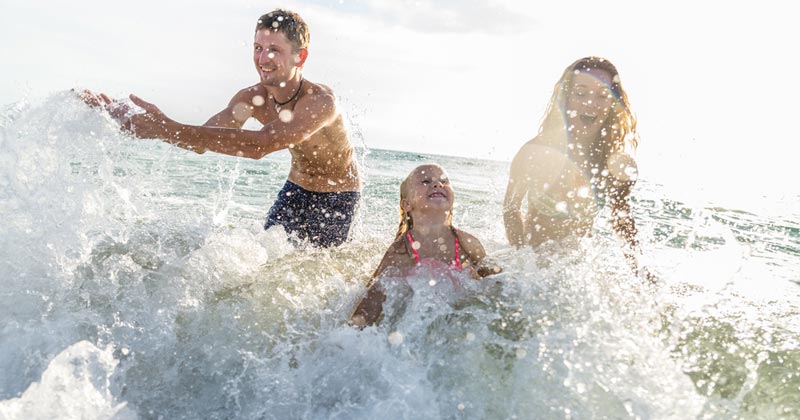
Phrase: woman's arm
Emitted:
{"points": [[621, 218], [512, 204], [624, 225]]}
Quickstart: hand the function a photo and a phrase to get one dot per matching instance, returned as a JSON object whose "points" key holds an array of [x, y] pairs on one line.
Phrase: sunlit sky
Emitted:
{"points": [[713, 84]]}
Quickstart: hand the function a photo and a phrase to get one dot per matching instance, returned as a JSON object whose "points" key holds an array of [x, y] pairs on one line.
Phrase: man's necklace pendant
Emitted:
{"points": [[278, 105]]}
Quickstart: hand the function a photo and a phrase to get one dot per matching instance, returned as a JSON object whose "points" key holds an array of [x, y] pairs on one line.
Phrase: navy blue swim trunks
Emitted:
{"points": [[321, 218]]}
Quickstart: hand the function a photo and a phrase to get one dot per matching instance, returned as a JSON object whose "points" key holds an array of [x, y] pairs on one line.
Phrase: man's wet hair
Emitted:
{"points": [[289, 23]]}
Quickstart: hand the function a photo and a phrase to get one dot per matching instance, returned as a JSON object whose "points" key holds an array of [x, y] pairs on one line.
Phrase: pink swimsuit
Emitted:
{"points": [[455, 264]]}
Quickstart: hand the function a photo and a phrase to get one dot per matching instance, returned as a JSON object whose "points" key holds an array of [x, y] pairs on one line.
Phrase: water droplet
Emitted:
{"points": [[258, 100], [285, 115], [432, 283], [242, 111], [415, 245], [395, 338]]}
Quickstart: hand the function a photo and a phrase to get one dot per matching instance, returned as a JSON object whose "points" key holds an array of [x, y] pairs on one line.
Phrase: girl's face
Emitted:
{"points": [[428, 189], [589, 101]]}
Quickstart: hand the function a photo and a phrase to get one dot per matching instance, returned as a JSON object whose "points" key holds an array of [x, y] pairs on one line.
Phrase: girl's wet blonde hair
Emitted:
{"points": [[620, 129], [406, 220]]}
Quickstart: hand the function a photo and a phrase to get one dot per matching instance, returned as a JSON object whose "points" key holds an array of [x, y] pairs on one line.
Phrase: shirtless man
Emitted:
{"points": [[318, 201]]}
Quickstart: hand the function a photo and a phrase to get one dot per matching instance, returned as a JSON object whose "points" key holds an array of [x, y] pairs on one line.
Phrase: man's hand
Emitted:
{"points": [[152, 123], [94, 99], [118, 110]]}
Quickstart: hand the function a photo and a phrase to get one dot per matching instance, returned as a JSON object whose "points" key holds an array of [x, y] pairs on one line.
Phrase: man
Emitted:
{"points": [[323, 187]]}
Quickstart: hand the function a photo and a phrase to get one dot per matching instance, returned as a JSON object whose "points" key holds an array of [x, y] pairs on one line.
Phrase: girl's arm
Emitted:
{"points": [[370, 308], [475, 254]]}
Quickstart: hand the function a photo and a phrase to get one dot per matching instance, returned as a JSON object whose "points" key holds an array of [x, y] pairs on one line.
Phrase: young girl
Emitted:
{"points": [[426, 240]]}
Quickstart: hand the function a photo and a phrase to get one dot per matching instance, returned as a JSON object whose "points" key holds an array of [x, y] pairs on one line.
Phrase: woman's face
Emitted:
{"points": [[589, 102]]}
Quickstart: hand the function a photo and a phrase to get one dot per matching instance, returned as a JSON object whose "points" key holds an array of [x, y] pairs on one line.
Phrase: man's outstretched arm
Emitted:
{"points": [[313, 112]]}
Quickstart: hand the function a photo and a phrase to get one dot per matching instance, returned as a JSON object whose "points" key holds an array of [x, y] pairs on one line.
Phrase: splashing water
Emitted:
{"points": [[138, 283]]}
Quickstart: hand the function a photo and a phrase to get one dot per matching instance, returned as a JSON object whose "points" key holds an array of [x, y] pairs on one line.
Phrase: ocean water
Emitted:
{"points": [[137, 283]]}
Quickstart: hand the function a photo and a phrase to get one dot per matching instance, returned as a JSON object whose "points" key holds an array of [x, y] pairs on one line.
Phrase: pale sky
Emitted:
{"points": [[457, 77]]}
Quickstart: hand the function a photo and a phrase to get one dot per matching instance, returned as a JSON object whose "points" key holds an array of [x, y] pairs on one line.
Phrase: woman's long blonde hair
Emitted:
{"points": [[406, 220], [620, 129]]}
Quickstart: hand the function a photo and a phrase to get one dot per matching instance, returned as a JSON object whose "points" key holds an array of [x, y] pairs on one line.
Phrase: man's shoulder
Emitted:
{"points": [[252, 91], [318, 90], [320, 100]]}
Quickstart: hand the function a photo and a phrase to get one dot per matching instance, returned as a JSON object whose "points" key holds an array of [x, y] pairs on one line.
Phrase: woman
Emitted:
{"points": [[577, 163]]}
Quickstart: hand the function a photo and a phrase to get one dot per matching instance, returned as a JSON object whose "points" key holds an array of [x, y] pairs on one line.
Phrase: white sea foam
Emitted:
{"points": [[138, 282], [75, 385]]}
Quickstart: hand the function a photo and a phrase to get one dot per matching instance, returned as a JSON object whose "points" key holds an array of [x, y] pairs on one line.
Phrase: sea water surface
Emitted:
{"points": [[137, 283]]}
